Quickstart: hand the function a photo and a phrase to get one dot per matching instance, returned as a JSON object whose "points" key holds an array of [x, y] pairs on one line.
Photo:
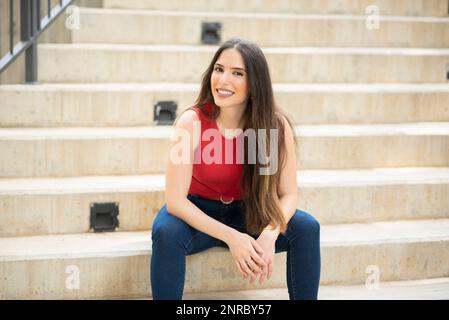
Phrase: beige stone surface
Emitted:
{"points": [[428, 289], [116, 264], [70, 213], [398, 7], [61, 205], [98, 278], [117, 151], [67, 105], [105, 151], [370, 146], [16, 71], [267, 29], [175, 63]]}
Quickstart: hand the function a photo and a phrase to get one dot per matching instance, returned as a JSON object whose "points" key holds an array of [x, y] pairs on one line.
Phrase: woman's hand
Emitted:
{"points": [[267, 241], [247, 254]]}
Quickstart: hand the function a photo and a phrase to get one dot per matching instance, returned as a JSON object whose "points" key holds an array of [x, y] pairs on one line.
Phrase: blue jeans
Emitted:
{"points": [[173, 239]]}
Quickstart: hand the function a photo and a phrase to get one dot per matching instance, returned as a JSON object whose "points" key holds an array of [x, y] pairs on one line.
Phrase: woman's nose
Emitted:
{"points": [[224, 78]]}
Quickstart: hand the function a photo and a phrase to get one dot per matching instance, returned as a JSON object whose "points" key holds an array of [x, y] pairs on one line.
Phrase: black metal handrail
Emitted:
{"points": [[31, 26]]}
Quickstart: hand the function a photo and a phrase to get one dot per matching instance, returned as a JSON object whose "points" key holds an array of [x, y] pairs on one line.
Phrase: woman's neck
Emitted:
{"points": [[231, 118]]}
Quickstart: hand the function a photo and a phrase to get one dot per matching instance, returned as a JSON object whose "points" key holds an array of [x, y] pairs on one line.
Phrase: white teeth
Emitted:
{"points": [[224, 92]]}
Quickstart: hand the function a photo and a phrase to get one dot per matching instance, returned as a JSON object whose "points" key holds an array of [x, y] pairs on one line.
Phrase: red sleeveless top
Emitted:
{"points": [[212, 179]]}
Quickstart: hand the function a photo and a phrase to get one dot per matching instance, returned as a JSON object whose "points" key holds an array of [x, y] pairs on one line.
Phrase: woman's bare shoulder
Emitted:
{"points": [[186, 119]]}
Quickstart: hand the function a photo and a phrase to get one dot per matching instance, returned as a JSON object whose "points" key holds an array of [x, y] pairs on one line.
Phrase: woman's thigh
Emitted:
{"points": [[169, 230]]}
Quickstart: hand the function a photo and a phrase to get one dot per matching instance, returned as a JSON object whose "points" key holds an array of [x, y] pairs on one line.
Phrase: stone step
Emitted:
{"points": [[57, 152], [385, 7], [42, 206], [426, 289], [132, 104], [87, 63], [169, 27], [112, 265]]}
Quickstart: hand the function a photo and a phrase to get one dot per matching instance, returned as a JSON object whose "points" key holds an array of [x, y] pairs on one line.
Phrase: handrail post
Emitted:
{"points": [[24, 20], [28, 30], [11, 26]]}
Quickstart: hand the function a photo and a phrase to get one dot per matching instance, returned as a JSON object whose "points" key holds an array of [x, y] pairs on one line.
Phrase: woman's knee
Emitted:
{"points": [[304, 223], [167, 227]]}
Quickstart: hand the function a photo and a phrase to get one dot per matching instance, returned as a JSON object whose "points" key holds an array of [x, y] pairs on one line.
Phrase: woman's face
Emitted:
{"points": [[229, 80]]}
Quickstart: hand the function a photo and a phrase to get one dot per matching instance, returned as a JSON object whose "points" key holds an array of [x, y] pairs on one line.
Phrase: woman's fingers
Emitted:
{"points": [[257, 254], [243, 273], [248, 258], [263, 275], [251, 280], [257, 246], [257, 269], [247, 269], [270, 270], [258, 260], [252, 270]]}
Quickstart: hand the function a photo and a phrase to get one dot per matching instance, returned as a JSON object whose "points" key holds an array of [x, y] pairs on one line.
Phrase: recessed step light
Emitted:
{"points": [[104, 216], [165, 112], [211, 33]]}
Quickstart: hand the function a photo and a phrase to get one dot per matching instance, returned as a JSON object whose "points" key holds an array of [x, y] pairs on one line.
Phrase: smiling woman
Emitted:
{"points": [[229, 203]]}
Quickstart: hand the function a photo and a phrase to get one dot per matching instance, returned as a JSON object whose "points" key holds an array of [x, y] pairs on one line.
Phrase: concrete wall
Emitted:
{"points": [[15, 72]]}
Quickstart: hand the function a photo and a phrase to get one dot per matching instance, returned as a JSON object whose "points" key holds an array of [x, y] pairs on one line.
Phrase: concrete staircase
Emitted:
{"points": [[373, 163]]}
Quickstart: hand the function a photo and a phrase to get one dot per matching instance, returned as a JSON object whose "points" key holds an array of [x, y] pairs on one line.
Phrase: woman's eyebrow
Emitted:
{"points": [[237, 68]]}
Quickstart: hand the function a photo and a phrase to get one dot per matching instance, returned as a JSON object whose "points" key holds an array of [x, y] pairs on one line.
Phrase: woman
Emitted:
{"points": [[215, 199]]}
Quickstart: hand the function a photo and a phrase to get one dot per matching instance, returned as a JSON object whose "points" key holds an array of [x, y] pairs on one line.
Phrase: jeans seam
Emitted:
{"points": [[181, 286], [292, 273], [180, 289], [194, 236], [290, 245]]}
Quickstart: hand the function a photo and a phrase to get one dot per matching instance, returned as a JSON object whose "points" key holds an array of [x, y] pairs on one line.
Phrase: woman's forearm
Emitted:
{"points": [[287, 204], [193, 216]]}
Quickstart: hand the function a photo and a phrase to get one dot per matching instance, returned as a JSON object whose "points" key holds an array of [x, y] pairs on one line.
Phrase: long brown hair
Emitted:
{"points": [[259, 192]]}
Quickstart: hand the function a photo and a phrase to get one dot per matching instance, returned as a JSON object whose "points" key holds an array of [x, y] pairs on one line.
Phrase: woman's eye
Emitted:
{"points": [[219, 69]]}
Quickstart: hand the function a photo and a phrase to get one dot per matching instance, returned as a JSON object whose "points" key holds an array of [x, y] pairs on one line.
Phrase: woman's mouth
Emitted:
{"points": [[224, 93]]}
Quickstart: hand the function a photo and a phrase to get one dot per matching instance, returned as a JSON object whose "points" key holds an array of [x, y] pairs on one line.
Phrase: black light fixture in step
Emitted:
{"points": [[104, 216], [165, 112], [211, 33]]}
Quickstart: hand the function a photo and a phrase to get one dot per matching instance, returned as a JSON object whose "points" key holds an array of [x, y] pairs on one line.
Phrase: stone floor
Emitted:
{"points": [[429, 289]]}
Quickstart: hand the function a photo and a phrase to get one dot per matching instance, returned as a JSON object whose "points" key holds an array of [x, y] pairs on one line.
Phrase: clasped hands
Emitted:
{"points": [[254, 258]]}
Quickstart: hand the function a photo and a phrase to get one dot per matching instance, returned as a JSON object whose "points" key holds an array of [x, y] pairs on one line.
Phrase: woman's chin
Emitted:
{"points": [[223, 104], [220, 103]]}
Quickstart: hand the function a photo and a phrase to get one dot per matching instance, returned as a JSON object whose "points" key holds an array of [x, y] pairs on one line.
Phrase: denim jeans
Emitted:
{"points": [[173, 239]]}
